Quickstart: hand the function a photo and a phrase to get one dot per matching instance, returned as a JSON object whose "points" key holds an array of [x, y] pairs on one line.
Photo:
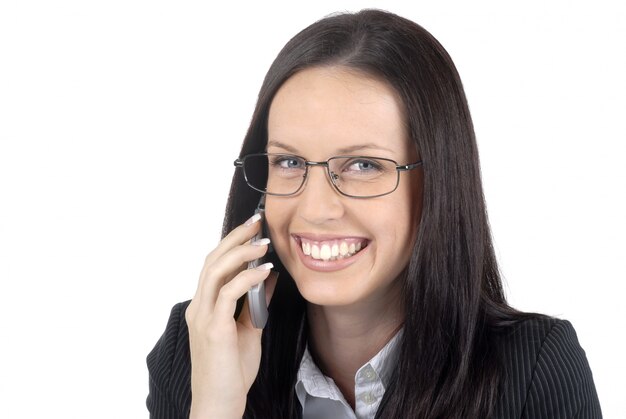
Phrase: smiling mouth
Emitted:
{"points": [[329, 250]]}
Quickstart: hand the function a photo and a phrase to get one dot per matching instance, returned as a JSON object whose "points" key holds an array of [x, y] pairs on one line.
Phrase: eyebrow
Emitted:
{"points": [[345, 150]]}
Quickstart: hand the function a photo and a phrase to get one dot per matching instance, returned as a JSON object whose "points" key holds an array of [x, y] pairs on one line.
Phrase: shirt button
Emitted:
{"points": [[367, 375], [368, 398]]}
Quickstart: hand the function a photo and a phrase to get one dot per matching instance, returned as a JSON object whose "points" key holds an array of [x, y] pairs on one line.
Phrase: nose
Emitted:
{"points": [[319, 202]]}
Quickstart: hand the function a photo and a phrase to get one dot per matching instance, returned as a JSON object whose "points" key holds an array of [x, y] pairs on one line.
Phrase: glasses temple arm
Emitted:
{"points": [[409, 166]]}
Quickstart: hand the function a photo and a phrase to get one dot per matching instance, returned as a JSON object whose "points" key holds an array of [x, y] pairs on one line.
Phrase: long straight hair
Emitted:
{"points": [[455, 309]]}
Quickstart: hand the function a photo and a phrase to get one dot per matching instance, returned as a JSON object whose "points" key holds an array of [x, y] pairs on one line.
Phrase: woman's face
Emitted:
{"points": [[324, 112]]}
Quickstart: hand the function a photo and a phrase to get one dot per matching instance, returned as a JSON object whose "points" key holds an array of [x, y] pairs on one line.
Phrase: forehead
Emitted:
{"points": [[319, 112]]}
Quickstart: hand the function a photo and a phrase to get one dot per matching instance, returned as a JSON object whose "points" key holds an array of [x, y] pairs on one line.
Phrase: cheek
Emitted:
{"points": [[400, 233], [391, 228]]}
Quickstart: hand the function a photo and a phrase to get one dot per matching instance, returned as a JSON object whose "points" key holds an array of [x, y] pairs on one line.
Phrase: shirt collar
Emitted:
{"points": [[312, 381]]}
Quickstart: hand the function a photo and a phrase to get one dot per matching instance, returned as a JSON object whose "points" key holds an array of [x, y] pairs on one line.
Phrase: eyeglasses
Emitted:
{"points": [[353, 176]]}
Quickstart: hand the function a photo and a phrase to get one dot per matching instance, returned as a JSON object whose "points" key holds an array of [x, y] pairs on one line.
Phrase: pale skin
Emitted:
{"points": [[225, 354], [353, 311]]}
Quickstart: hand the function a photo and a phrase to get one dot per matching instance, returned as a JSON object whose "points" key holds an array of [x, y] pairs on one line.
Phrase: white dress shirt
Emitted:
{"points": [[320, 397]]}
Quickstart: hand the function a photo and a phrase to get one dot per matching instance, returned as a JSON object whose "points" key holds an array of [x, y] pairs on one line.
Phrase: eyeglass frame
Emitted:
{"points": [[239, 162]]}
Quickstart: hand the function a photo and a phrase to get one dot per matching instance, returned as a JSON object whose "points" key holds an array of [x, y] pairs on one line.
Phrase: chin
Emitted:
{"points": [[326, 294]]}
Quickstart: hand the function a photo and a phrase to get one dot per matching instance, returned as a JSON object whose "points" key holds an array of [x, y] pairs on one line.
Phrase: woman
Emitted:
{"points": [[388, 301]]}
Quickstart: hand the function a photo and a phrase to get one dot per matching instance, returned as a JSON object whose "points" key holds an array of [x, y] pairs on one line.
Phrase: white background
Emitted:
{"points": [[119, 122]]}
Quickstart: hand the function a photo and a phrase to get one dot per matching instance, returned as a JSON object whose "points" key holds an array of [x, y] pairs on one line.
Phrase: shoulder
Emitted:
{"points": [[169, 368], [546, 373]]}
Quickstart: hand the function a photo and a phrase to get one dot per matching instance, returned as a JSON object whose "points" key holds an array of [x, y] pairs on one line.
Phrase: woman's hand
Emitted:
{"points": [[226, 353]]}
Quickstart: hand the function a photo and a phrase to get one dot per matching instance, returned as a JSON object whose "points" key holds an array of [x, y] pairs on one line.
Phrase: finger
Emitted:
{"points": [[226, 302], [237, 257], [224, 269], [237, 236], [241, 234]]}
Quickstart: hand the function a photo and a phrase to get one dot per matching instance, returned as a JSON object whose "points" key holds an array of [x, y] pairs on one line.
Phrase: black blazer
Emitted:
{"points": [[546, 372]]}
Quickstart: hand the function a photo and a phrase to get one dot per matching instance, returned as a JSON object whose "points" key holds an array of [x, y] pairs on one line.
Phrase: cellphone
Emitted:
{"points": [[256, 295]]}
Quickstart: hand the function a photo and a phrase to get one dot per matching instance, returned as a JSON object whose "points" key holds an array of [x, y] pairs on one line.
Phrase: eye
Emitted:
{"points": [[291, 163], [364, 165], [288, 162]]}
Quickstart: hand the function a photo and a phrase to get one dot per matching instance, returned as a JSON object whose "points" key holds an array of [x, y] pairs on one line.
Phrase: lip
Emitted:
{"points": [[330, 265], [328, 237]]}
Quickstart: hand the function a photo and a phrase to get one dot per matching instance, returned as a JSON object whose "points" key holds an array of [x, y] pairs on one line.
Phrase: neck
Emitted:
{"points": [[343, 339]]}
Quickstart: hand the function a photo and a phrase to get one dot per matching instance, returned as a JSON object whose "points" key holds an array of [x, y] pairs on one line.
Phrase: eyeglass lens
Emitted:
{"points": [[283, 174]]}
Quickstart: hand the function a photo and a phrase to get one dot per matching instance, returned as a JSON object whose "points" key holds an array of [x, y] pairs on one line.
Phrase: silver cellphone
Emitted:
{"points": [[256, 295]]}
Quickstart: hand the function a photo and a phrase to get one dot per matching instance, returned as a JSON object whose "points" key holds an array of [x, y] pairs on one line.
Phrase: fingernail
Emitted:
{"points": [[265, 267], [253, 219], [260, 242]]}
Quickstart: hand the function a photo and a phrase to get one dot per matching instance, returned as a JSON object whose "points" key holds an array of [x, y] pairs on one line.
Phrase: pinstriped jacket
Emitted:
{"points": [[546, 372]]}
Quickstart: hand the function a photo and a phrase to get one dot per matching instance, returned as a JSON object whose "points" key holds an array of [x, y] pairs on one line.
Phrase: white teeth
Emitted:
{"points": [[331, 250], [315, 252], [325, 252]]}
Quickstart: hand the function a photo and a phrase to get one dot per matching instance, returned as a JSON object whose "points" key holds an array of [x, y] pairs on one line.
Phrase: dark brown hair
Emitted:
{"points": [[448, 365]]}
